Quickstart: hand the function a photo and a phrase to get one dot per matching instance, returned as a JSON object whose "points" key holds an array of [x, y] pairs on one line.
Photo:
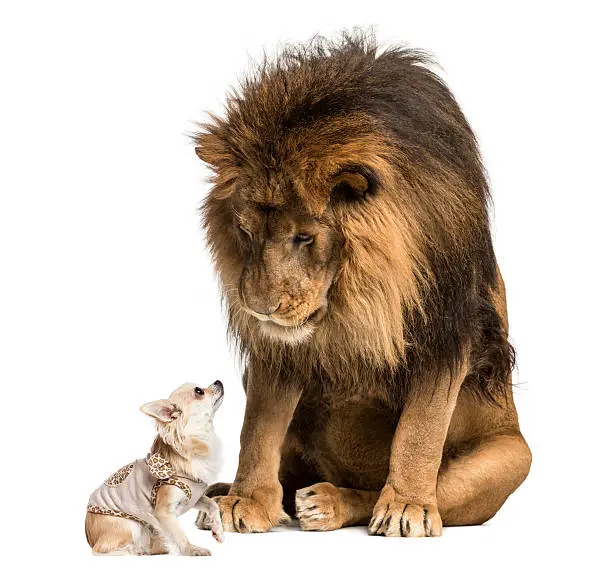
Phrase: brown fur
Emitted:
{"points": [[348, 223]]}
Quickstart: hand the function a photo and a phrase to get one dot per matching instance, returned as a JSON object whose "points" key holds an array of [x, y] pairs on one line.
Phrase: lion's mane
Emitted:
{"points": [[415, 292]]}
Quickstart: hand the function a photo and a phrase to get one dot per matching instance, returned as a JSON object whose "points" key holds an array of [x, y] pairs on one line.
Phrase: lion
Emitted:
{"points": [[348, 223]]}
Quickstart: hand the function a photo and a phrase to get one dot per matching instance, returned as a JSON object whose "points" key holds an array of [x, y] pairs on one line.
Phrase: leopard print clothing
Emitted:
{"points": [[160, 467], [108, 512], [171, 481], [131, 492], [117, 478]]}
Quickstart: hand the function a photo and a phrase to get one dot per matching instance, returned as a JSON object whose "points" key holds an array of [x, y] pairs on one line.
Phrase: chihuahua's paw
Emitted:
{"points": [[395, 516], [239, 514], [319, 507], [204, 521], [218, 534], [198, 551]]}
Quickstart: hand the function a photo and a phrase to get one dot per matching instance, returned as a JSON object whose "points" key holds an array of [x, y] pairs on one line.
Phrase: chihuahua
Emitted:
{"points": [[135, 510]]}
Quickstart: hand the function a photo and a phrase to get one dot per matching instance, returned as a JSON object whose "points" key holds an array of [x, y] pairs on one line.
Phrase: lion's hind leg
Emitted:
{"points": [[218, 490], [326, 507], [473, 486]]}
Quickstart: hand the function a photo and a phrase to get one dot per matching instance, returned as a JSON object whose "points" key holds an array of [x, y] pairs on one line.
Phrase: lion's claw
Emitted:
{"points": [[398, 518], [319, 507], [239, 514]]}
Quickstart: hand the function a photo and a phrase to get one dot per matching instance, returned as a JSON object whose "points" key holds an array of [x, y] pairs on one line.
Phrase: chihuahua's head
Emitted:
{"points": [[185, 419]]}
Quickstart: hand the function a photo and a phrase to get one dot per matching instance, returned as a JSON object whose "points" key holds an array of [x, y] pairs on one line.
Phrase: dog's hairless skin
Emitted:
{"points": [[348, 221]]}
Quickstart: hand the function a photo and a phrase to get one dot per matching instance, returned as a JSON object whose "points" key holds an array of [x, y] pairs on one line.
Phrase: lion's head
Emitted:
{"points": [[348, 209]]}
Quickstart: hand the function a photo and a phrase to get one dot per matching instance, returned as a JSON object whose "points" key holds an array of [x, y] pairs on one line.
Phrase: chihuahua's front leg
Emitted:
{"points": [[210, 517], [168, 499], [407, 505], [254, 502]]}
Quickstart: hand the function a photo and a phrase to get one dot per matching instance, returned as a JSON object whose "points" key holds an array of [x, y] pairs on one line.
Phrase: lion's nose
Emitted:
{"points": [[257, 295], [260, 305]]}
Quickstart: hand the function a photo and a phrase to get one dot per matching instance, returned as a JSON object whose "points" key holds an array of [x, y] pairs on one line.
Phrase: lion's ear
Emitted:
{"points": [[352, 183], [211, 149]]}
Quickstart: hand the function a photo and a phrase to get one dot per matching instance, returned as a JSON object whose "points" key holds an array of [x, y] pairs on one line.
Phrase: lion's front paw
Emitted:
{"points": [[394, 516], [239, 514], [319, 507]]}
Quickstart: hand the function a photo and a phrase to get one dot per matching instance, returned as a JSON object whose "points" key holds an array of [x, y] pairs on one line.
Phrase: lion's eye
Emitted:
{"points": [[303, 238]]}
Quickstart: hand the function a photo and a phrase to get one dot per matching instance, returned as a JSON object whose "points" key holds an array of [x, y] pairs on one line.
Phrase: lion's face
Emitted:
{"points": [[289, 261], [308, 248]]}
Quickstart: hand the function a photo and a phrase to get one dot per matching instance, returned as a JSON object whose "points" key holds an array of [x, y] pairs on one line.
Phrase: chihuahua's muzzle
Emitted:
{"points": [[218, 392]]}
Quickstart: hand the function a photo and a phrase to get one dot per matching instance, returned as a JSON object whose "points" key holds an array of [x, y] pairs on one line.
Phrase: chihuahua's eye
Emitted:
{"points": [[199, 391], [303, 238]]}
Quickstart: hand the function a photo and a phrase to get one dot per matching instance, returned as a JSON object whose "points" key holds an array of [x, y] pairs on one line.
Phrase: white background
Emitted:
{"points": [[108, 298]]}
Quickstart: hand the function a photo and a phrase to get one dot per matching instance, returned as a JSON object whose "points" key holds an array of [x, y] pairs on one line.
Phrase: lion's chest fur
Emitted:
{"points": [[348, 437]]}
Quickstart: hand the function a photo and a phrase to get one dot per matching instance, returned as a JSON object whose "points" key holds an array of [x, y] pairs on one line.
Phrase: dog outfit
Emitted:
{"points": [[131, 492]]}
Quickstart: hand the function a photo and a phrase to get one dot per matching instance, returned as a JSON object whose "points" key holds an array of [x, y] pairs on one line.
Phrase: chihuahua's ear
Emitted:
{"points": [[163, 410]]}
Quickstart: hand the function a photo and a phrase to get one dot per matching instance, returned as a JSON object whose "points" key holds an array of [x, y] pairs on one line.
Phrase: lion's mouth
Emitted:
{"points": [[292, 333], [313, 318]]}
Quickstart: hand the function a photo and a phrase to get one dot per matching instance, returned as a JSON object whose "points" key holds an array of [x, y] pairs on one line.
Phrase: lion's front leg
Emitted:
{"points": [[408, 505], [254, 501], [396, 514]]}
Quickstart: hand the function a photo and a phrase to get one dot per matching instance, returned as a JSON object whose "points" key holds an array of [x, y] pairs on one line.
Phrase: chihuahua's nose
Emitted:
{"points": [[218, 385]]}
